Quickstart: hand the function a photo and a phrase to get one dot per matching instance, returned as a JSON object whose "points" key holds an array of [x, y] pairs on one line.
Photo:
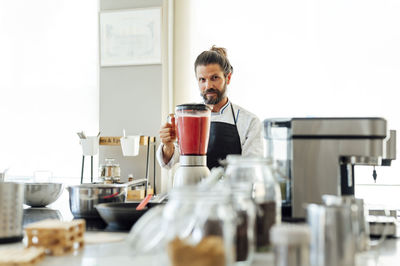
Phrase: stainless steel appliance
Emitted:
{"points": [[316, 156], [11, 211], [384, 222]]}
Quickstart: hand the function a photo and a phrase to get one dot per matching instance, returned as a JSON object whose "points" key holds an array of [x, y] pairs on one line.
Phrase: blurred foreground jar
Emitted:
{"points": [[200, 227], [245, 224], [291, 244], [259, 173]]}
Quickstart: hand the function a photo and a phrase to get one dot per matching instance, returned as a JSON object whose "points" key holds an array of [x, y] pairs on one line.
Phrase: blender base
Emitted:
{"points": [[190, 175]]}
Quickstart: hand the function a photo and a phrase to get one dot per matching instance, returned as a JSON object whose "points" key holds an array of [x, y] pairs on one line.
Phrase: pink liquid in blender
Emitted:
{"points": [[193, 134]]}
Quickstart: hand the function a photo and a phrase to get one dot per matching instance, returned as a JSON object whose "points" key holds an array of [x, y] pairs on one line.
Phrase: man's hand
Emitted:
{"points": [[168, 136]]}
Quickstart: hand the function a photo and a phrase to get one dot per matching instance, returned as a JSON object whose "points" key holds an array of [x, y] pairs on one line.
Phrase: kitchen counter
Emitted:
{"points": [[118, 253], [111, 248]]}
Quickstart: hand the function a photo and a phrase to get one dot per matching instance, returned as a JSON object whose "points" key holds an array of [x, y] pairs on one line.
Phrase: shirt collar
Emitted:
{"points": [[221, 111]]}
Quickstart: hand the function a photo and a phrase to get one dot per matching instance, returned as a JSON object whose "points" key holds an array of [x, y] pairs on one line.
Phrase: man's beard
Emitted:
{"points": [[214, 100]]}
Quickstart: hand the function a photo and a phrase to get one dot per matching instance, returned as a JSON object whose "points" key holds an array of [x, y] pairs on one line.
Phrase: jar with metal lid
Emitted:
{"points": [[259, 173], [291, 244], [116, 170], [245, 209], [111, 169], [109, 172]]}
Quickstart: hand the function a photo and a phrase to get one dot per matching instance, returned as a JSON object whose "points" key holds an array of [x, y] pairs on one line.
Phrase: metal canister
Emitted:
{"points": [[332, 239], [11, 211]]}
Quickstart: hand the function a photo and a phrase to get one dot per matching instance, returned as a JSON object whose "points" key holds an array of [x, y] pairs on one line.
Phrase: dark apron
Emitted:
{"points": [[224, 139]]}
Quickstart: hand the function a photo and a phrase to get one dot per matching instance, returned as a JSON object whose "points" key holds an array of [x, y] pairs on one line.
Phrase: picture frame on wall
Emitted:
{"points": [[130, 37]]}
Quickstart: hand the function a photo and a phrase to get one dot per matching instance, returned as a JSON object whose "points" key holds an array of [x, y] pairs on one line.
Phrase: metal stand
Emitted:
{"points": [[91, 168], [154, 167], [83, 164], [148, 165]]}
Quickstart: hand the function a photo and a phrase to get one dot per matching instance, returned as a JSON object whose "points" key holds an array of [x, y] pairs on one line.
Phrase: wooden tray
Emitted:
{"points": [[21, 257], [56, 237]]}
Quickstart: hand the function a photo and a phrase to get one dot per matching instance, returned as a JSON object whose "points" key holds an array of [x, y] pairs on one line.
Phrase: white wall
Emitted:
{"points": [[48, 85], [130, 99], [303, 58]]}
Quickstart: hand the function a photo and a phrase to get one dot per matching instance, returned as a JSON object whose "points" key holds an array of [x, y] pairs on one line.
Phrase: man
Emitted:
{"points": [[233, 130]]}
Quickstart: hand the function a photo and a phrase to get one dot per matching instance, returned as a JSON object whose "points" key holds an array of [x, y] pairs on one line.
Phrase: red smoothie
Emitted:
{"points": [[192, 133]]}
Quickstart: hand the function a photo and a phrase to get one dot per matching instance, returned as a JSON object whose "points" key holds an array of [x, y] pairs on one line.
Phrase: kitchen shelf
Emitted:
{"points": [[144, 141], [115, 141]]}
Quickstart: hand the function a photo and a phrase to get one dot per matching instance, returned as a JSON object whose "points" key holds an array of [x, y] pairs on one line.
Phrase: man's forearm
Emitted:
{"points": [[168, 152]]}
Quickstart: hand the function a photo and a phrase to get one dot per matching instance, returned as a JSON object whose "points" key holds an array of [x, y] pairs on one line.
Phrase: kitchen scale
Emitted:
{"points": [[377, 221]]}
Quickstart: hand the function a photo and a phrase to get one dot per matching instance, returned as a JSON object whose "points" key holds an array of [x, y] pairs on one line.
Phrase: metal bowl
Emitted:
{"points": [[83, 198], [41, 194], [32, 215]]}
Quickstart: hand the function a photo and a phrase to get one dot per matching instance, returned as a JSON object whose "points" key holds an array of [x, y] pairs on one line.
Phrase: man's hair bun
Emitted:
{"points": [[219, 50]]}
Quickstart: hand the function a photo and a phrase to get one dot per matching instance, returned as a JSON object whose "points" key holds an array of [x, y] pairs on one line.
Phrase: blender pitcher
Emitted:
{"points": [[193, 129]]}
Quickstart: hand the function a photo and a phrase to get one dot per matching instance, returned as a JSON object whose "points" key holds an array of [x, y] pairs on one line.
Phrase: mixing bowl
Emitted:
{"points": [[41, 194], [83, 198]]}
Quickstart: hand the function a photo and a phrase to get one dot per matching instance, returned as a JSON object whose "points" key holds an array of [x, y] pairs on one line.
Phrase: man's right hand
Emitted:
{"points": [[168, 137]]}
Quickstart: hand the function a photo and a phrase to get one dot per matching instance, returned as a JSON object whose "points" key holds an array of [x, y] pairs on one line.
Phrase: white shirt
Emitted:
{"points": [[248, 125]]}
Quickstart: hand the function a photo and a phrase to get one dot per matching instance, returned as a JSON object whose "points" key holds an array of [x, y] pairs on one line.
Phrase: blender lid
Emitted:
{"points": [[193, 106]]}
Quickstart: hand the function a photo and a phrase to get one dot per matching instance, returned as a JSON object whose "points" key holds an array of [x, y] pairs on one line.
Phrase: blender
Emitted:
{"points": [[193, 129]]}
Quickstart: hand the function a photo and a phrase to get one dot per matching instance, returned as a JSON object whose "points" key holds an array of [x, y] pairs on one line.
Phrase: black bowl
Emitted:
{"points": [[121, 215]]}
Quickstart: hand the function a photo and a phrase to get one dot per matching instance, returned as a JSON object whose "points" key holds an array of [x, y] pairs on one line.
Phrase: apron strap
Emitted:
{"points": [[233, 114]]}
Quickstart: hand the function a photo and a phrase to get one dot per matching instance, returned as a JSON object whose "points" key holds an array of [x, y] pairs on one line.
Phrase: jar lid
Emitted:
{"points": [[290, 234], [192, 106]]}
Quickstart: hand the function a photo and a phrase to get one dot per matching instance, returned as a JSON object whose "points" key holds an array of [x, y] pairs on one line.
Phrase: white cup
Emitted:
{"points": [[90, 145], [130, 145]]}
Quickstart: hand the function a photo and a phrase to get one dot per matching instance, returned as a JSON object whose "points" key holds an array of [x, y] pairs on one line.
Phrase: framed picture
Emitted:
{"points": [[130, 37]]}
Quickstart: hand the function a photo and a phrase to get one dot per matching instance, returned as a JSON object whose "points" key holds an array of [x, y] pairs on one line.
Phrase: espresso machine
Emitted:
{"points": [[193, 129], [316, 156]]}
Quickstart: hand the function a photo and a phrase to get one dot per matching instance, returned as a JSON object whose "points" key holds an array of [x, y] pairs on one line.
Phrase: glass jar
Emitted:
{"points": [[200, 227], [259, 173], [291, 244], [109, 172], [116, 170], [245, 209]]}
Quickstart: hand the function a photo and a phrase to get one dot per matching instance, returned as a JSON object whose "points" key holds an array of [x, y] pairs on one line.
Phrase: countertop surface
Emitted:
{"points": [[111, 248]]}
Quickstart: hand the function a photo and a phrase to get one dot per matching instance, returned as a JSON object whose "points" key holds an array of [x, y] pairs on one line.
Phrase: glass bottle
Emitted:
{"points": [[259, 173]]}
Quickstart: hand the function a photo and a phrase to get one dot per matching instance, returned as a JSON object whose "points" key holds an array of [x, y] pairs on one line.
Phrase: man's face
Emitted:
{"points": [[212, 83]]}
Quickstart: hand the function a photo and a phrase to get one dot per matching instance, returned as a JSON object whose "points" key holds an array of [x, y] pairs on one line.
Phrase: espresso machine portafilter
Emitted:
{"points": [[316, 156]]}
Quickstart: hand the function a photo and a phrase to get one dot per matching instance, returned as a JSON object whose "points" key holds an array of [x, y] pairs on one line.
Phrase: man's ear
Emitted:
{"points": [[228, 78]]}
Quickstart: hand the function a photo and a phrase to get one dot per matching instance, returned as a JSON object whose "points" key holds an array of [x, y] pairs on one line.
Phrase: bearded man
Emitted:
{"points": [[233, 130]]}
